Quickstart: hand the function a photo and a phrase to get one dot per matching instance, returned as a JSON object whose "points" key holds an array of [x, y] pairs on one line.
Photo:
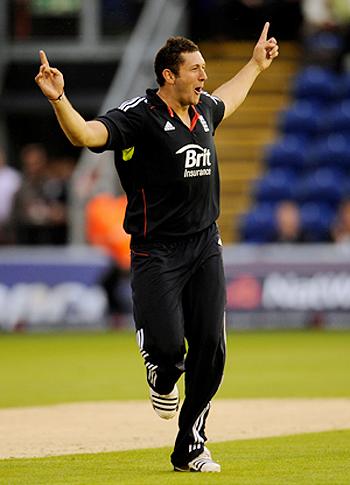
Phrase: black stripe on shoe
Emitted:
{"points": [[167, 405]]}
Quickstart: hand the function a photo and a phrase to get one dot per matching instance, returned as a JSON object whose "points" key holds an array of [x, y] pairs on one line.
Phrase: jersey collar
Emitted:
{"points": [[157, 101]]}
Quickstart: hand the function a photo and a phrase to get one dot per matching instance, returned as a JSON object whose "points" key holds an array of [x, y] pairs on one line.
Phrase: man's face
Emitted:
{"points": [[190, 80]]}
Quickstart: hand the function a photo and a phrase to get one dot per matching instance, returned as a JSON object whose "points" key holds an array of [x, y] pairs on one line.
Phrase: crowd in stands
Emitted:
{"points": [[10, 181], [104, 228], [34, 206], [34, 199], [304, 196], [310, 163], [242, 19], [306, 184]]}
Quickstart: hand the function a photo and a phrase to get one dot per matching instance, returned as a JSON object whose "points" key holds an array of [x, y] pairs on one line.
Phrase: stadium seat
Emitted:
{"points": [[333, 151], [287, 153], [346, 188], [324, 185], [324, 45], [310, 162], [258, 225], [337, 118], [302, 118], [316, 220], [276, 185], [344, 86], [316, 83]]}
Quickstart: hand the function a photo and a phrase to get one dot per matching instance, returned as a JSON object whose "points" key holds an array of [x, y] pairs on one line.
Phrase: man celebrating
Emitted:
{"points": [[166, 160]]}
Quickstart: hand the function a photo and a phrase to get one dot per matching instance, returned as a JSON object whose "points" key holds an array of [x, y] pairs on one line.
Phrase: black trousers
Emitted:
{"points": [[179, 298]]}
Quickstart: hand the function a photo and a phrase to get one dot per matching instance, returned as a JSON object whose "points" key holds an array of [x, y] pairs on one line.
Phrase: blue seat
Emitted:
{"points": [[333, 151], [287, 153], [303, 118], [337, 118], [344, 86], [346, 188], [323, 186], [258, 225], [324, 43], [276, 185], [316, 83], [316, 220]]}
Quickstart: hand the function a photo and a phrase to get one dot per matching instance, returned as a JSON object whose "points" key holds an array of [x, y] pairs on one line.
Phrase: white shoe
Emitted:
{"points": [[166, 405], [202, 463]]}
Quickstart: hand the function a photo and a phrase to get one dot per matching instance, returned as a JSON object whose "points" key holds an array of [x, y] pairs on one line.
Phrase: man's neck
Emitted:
{"points": [[181, 110]]}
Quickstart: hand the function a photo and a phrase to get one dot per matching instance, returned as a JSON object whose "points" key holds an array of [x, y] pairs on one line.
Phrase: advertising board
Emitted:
{"points": [[48, 287], [271, 286]]}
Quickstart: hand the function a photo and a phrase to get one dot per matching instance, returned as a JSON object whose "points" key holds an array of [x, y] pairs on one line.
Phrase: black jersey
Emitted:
{"points": [[168, 171]]}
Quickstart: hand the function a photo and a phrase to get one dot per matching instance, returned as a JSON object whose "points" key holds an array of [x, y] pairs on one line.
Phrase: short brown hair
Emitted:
{"points": [[169, 56]]}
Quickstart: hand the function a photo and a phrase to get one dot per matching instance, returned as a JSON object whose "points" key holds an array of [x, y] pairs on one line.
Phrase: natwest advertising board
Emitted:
{"points": [[287, 285], [267, 286]]}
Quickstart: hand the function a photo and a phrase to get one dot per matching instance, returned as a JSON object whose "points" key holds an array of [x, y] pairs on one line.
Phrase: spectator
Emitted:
{"points": [[317, 16], [104, 228], [241, 19], [341, 227], [325, 14], [327, 32], [57, 192], [10, 181], [36, 212], [288, 223]]}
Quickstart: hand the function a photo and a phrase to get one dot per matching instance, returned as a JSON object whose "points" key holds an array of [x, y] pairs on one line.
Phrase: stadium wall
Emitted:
{"points": [[270, 286]]}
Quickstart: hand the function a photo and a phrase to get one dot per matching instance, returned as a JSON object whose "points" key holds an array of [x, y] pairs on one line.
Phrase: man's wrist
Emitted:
{"points": [[56, 100], [256, 65]]}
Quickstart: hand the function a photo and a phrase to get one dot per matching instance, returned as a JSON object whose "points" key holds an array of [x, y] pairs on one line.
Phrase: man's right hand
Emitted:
{"points": [[49, 79], [79, 132]]}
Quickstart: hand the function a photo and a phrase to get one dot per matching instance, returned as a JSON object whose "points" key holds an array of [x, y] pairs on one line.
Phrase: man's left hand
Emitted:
{"points": [[266, 50]]}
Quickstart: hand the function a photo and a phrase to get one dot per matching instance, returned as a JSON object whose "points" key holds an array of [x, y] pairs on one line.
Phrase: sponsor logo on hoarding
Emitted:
{"points": [[244, 293], [321, 291], [40, 304]]}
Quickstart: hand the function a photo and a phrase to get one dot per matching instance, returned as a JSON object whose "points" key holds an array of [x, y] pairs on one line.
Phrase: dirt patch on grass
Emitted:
{"points": [[94, 427]]}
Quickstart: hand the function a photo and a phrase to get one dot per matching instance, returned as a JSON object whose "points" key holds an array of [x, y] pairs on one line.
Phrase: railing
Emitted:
{"points": [[159, 19]]}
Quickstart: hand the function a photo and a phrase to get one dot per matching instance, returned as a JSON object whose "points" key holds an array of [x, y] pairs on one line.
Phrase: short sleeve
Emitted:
{"points": [[215, 106], [123, 129]]}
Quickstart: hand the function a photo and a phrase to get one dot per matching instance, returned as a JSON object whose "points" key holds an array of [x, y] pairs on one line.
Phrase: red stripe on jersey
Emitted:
{"points": [[194, 119]]}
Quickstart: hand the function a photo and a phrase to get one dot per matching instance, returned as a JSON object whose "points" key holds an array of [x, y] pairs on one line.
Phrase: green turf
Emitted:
{"points": [[288, 364], [37, 369], [66, 367], [308, 459]]}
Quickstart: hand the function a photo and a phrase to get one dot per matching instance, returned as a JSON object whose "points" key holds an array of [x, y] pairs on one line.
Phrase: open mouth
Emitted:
{"points": [[198, 90]]}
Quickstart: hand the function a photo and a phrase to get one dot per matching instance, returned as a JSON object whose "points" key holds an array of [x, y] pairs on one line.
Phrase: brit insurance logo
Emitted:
{"points": [[197, 160]]}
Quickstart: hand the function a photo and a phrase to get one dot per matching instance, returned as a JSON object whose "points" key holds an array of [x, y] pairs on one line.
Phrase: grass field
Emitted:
{"points": [[55, 368], [309, 459]]}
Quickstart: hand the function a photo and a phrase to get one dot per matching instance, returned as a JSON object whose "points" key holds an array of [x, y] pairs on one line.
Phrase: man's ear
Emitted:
{"points": [[169, 76]]}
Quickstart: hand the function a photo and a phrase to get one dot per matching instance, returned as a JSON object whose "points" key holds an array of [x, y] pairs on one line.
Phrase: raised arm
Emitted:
{"points": [[78, 131], [234, 91]]}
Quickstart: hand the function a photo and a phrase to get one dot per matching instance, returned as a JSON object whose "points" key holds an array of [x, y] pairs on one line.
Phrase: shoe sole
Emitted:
{"points": [[200, 464], [191, 470], [165, 407]]}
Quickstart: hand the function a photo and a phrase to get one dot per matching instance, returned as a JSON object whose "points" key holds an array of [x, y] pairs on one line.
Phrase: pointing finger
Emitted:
{"points": [[44, 59], [44, 70], [263, 35]]}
